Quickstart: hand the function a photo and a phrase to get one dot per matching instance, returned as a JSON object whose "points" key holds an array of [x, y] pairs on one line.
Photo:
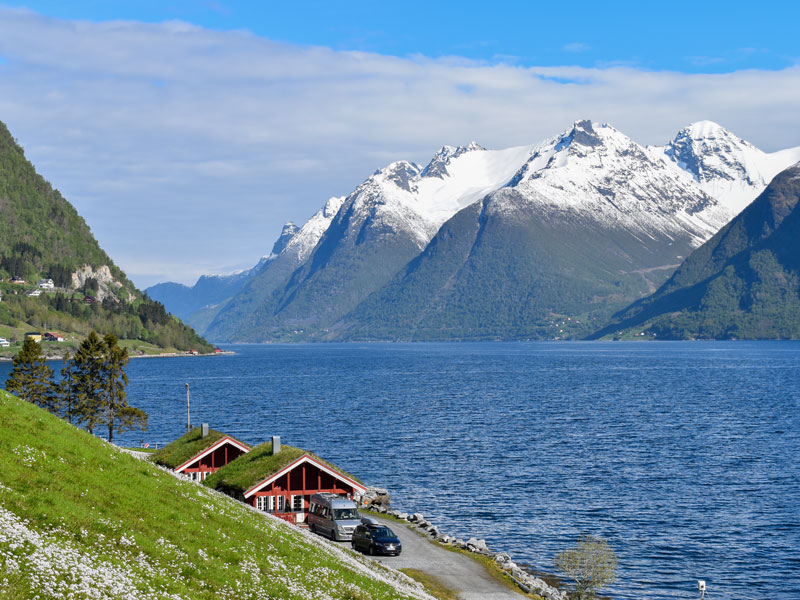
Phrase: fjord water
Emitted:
{"points": [[684, 455]]}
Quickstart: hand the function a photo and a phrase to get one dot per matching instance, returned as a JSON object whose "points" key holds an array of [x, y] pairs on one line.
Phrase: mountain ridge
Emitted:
{"points": [[590, 173]]}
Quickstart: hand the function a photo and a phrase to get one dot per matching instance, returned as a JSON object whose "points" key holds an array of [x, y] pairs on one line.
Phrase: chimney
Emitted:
{"points": [[276, 444], [204, 430]]}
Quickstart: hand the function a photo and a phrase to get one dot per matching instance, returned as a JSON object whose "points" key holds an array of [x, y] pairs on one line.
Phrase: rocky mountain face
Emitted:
{"points": [[538, 241], [743, 283]]}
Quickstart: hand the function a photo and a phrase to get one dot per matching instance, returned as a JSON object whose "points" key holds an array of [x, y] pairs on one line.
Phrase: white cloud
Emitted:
{"points": [[186, 149]]}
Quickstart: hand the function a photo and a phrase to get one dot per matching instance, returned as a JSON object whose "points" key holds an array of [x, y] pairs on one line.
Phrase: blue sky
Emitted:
{"points": [[690, 37], [187, 132]]}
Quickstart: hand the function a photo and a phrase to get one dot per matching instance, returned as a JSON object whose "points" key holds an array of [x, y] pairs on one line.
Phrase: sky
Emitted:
{"points": [[187, 132]]}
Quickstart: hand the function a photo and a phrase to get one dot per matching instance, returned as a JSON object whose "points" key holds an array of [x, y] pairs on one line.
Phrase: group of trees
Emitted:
{"points": [[91, 391], [144, 319]]}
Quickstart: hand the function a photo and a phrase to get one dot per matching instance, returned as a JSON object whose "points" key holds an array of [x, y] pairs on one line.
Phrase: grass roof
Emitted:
{"points": [[243, 473], [185, 447]]}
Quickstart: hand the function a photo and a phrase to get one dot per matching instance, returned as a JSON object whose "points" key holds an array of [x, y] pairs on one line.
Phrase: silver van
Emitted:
{"points": [[333, 516]]}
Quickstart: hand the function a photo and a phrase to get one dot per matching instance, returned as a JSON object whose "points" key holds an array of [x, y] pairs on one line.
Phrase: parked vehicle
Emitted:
{"points": [[375, 538], [333, 516]]}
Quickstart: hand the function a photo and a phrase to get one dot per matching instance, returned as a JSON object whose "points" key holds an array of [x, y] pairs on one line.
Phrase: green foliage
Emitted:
{"points": [[144, 319], [121, 527], [39, 227], [91, 391], [591, 564], [96, 386], [30, 376]]}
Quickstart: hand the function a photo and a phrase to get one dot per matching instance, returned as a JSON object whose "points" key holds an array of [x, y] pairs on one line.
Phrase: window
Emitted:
{"points": [[264, 503], [297, 503], [281, 503]]}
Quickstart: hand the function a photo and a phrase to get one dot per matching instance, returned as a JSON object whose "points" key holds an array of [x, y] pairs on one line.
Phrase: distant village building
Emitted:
{"points": [[46, 284], [4, 343], [17, 280], [34, 335], [200, 452], [33, 293], [53, 336]]}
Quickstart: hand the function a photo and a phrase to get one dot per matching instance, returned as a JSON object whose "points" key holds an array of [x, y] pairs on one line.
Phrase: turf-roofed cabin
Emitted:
{"points": [[200, 452], [281, 479]]}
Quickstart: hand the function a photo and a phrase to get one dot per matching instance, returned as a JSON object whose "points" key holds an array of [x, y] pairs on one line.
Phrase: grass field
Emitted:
{"points": [[81, 519]]}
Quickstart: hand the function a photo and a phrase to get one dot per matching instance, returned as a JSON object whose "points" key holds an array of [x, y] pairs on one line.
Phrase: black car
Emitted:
{"points": [[376, 539]]}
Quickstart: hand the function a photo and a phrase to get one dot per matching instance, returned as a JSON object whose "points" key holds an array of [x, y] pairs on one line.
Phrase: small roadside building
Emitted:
{"points": [[281, 479], [200, 452]]}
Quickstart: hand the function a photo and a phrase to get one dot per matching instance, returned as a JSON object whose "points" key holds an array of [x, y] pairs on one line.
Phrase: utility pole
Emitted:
{"points": [[188, 420]]}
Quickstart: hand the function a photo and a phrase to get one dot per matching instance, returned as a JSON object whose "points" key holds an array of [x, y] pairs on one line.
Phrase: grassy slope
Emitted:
{"points": [[81, 519], [257, 465]]}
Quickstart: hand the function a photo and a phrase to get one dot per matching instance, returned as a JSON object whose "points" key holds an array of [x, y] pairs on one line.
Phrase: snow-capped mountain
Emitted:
{"points": [[611, 217], [597, 171], [724, 165]]}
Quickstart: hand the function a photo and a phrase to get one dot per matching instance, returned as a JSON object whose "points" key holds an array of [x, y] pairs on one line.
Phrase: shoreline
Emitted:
{"points": [[132, 356]]}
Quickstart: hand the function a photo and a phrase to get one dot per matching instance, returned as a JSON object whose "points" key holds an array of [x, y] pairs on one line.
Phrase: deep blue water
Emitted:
{"points": [[683, 455]]}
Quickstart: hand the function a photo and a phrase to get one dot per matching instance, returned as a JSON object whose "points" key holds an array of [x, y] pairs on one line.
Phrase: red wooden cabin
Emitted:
{"points": [[286, 493], [212, 458]]}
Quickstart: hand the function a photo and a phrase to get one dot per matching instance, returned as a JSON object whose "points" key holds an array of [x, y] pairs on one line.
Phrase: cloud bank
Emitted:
{"points": [[186, 149]]}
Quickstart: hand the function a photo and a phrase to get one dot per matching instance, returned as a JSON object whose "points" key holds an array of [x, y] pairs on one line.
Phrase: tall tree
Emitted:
{"points": [[30, 376], [66, 390], [119, 416], [87, 367]]}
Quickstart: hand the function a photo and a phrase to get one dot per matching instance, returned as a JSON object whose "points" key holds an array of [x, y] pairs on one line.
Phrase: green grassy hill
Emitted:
{"points": [[82, 519], [744, 283], [42, 236]]}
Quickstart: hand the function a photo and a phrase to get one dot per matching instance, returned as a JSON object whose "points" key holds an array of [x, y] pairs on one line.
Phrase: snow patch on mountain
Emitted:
{"points": [[303, 241], [404, 197], [598, 172]]}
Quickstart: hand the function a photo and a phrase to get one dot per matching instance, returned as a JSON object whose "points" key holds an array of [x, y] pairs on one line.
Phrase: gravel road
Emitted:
{"points": [[454, 570]]}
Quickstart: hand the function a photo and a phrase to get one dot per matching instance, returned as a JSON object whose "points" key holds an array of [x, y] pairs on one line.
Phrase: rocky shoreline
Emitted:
{"points": [[377, 500]]}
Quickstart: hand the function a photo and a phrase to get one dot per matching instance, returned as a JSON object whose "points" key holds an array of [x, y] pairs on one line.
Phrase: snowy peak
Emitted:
{"points": [[437, 167], [402, 173], [709, 151], [724, 165], [583, 134], [300, 245], [287, 233]]}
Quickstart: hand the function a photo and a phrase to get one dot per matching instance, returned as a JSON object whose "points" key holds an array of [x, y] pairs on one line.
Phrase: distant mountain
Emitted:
{"points": [[545, 240], [210, 292], [42, 237], [743, 283]]}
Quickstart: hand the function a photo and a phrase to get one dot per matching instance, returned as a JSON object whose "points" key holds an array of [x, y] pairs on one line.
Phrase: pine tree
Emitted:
{"points": [[66, 391], [30, 376], [119, 416], [87, 368]]}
